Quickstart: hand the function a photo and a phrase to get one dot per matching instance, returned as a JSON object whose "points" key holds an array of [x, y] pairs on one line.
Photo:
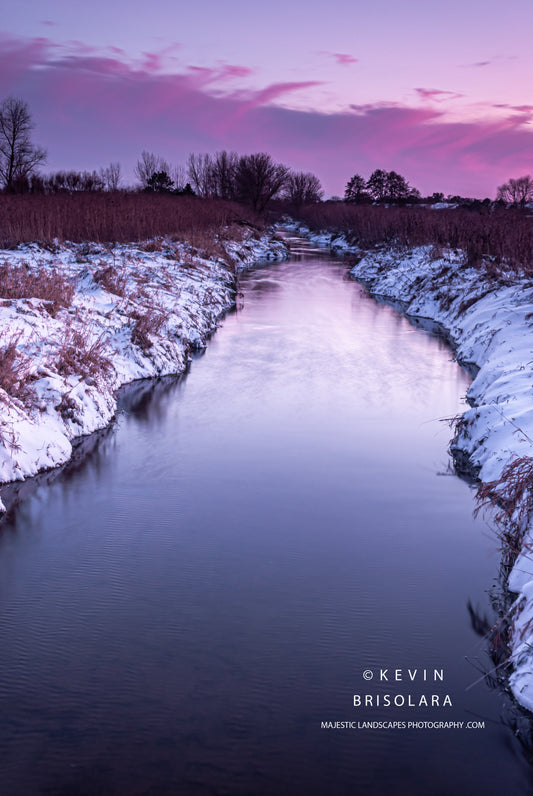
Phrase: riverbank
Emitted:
{"points": [[105, 316], [488, 320]]}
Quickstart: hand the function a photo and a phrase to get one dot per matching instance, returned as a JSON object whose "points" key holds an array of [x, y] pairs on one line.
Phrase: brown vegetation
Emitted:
{"points": [[80, 354], [19, 281], [512, 498], [120, 217], [145, 325], [15, 370], [502, 238], [111, 279]]}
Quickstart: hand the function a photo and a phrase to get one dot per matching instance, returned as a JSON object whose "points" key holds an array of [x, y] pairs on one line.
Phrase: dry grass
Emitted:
{"points": [[80, 354], [15, 370], [111, 279], [512, 498], [491, 240], [145, 325], [120, 217], [19, 281], [469, 301]]}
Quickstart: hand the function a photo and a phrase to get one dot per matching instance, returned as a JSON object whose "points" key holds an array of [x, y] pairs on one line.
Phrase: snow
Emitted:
{"points": [[490, 325], [442, 206], [166, 300]]}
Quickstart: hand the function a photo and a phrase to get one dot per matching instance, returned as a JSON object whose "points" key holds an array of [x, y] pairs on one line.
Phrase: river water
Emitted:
{"points": [[183, 606]]}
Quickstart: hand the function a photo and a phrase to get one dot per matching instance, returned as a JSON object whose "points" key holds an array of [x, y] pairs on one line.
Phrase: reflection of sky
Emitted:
{"points": [[258, 535], [437, 92]]}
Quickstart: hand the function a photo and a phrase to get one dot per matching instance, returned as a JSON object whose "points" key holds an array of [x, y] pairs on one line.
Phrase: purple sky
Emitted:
{"points": [[438, 92]]}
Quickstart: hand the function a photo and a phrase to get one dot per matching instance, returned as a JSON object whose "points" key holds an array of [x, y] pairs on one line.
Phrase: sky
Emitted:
{"points": [[440, 92]]}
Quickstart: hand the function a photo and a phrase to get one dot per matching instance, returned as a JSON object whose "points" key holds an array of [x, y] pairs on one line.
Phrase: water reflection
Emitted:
{"points": [[145, 401], [179, 613], [89, 454]]}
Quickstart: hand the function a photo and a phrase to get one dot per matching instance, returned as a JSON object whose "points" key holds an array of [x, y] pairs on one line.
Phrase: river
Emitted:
{"points": [[185, 604]]}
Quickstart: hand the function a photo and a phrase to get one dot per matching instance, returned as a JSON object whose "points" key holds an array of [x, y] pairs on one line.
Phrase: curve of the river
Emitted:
{"points": [[183, 606]]}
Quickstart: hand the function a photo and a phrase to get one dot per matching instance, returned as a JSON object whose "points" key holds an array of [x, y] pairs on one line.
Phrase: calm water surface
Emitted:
{"points": [[183, 607]]}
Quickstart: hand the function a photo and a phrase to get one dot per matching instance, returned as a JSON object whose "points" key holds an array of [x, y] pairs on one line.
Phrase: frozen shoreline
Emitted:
{"points": [[138, 311], [490, 326]]}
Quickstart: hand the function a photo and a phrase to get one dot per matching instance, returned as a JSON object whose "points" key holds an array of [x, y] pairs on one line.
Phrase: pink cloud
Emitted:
{"points": [[437, 94], [342, 58], [345, 60], [90, 109], [519, 108], [152, 61], [267, 95], [18, 57], [233, 70]]}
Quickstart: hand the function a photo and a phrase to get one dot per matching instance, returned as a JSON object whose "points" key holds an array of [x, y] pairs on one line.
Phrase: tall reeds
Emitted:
{"points": [[114, 217], [491, 239]]}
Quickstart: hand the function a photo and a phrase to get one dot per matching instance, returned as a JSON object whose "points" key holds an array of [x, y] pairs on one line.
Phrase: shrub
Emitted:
{"points": [[15, 369], [19, 281], [79, 354], [145, 325], [512, 497], [110, 279]]}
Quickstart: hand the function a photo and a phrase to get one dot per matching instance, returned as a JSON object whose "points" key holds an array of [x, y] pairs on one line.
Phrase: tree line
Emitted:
{"points": [[250, 179], [253, 180]]}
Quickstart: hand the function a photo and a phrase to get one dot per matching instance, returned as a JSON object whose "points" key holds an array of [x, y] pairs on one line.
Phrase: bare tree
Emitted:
{"points": [[224, 169], [19, 158], [148, 165], [303, 188], [200, 172], [516, 192], [179, 173], [111, 176], [258, 179], [213, 175], [145, 167], [73, 182]]}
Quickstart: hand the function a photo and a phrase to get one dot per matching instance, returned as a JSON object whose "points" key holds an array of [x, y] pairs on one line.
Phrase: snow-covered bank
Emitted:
{"points": [[136, 311], [490, 324]]}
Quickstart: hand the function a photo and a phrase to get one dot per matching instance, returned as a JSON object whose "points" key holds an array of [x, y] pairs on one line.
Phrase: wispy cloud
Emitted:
{"points": [[234, 70], [519, 108], [343, 59], [437, 94], [490, 61]]}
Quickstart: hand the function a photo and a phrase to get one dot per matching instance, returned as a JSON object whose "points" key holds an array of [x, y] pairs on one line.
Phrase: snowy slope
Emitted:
{"points": [[137, 311]]}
